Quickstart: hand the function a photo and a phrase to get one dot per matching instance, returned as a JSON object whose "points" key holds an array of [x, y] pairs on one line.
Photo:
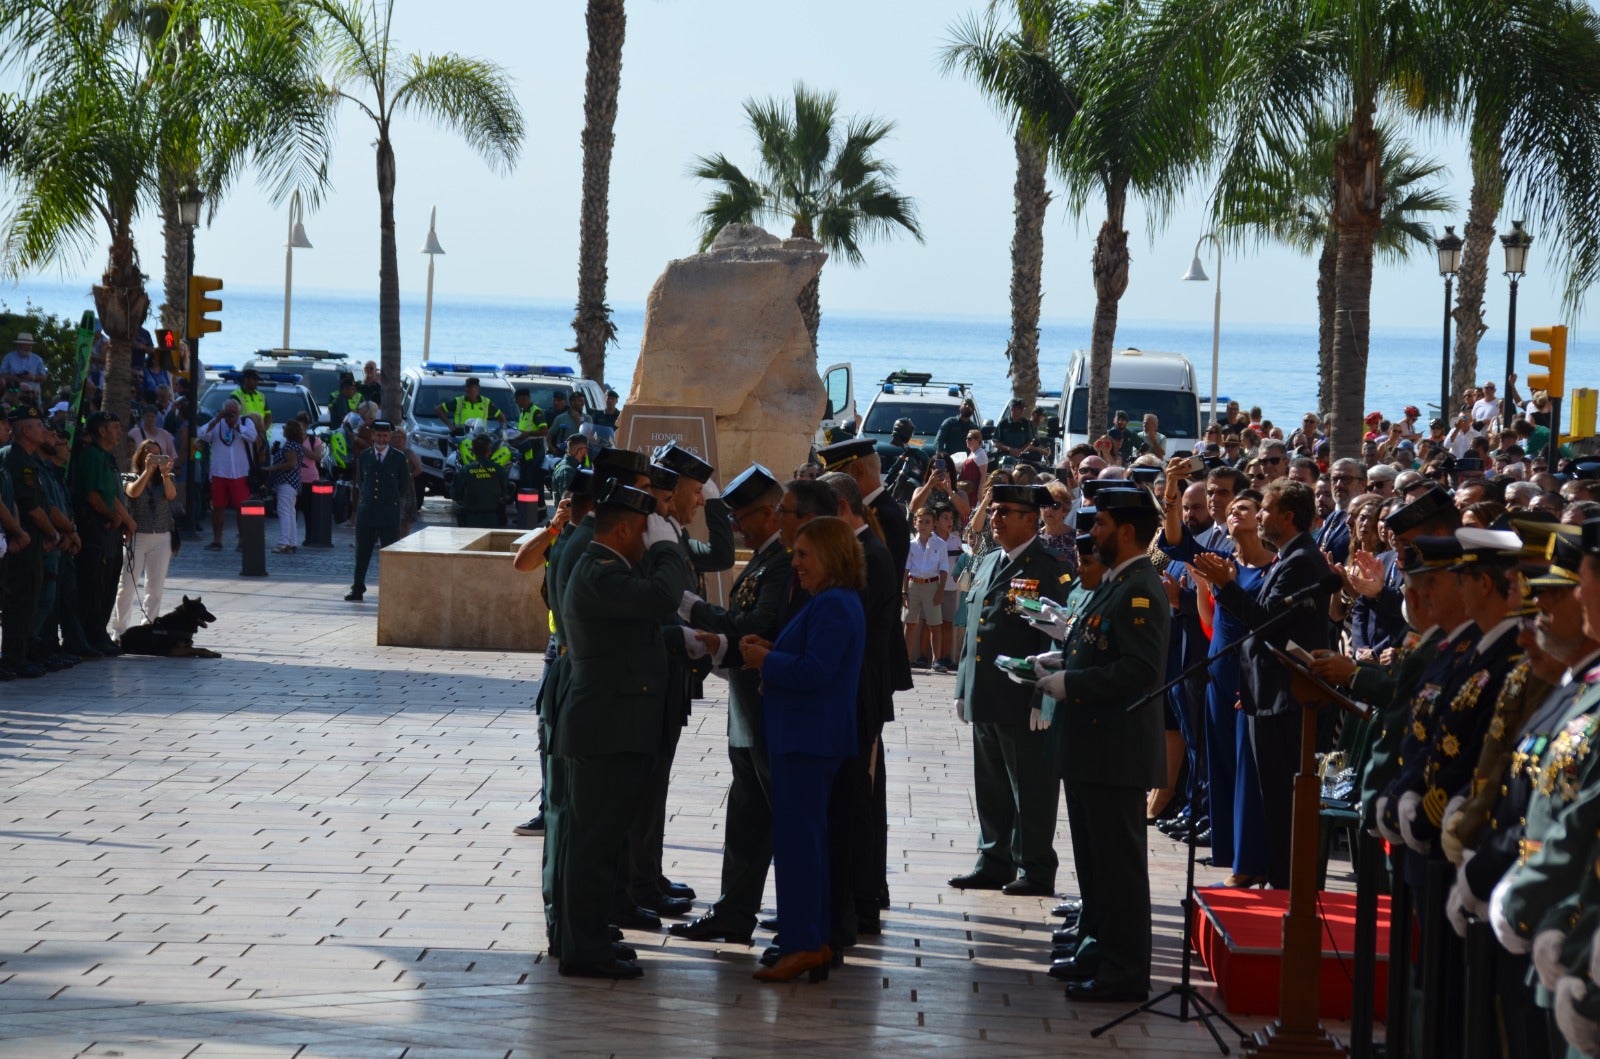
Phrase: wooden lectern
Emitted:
{"points": [[1297, 1031]]}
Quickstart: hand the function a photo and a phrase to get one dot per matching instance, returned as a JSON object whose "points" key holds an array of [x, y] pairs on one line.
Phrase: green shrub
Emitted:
{"points": [[55, 338]]}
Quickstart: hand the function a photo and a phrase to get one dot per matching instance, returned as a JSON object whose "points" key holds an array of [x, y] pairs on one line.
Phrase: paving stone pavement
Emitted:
{"points": [[304, 849]]}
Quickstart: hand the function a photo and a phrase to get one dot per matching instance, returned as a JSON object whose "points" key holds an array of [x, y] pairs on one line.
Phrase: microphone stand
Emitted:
{"points": [[1204, 1010]]}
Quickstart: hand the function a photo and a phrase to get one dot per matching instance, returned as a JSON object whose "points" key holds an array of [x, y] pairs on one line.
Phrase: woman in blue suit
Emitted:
{"points": [[809, 678]]}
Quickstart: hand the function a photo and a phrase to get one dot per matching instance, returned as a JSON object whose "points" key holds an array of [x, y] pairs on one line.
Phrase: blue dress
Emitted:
{"points": [[1238, 824]]}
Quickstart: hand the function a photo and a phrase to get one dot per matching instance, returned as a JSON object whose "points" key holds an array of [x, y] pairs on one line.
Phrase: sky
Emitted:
{"points": [[687, 67]]}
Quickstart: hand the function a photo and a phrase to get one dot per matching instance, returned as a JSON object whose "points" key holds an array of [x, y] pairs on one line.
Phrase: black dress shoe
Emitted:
{"points": [[979, 881], [709, 928], [1062, 953], [1072, 971], [1096, 991], [674, 907], [624, 952], [621, 969], [1171, 824], [769, 923], [1065, 936], [355, 597], [770, 956], [107, 648], [1202, 839], [870, 927], [637, 918], [676, 889], [614, 933], [28, 671], [1026, 887], [1071, 908]]}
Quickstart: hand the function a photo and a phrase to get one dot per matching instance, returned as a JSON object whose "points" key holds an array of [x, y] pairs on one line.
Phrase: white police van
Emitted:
{"points": [[1142, 381], [916, 396], [422, 390]]}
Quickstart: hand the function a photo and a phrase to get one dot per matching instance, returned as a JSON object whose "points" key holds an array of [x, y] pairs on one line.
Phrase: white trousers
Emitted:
{"points": [[287, 495], [148, 558]]}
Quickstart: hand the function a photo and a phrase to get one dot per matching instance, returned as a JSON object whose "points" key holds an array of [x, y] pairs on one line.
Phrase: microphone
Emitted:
{"points": [[1325, 586]]}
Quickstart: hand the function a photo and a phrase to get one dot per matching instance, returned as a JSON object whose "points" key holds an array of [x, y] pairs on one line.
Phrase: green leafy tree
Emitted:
{"points": [[1288, 199], [472, 97], [55, 339], [607, 23], [97, 120], [828, 181]]}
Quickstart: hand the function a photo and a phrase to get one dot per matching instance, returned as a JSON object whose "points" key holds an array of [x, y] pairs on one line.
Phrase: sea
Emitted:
{"points": [[1274, 366]]}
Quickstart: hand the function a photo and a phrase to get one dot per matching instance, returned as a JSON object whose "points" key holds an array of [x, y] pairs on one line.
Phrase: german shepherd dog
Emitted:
{"points": [[172, 634]]}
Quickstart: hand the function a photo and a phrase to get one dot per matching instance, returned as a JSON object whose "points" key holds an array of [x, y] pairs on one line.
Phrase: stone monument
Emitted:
{"points": [[723, 330]]}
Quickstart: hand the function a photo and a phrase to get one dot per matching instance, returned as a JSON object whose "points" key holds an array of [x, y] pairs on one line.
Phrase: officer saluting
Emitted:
{"points": [[1115, 657], [628, 580]]}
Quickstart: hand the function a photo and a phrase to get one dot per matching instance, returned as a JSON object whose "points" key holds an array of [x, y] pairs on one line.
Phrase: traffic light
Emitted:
{"points": [[165, 340], [1554, 360], [199, 305]]}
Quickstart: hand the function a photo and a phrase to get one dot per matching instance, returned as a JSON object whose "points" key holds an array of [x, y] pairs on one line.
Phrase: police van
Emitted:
{"points": [[1142, 381], [422, 390], [918, 397], [285, 393], [319, 371]]}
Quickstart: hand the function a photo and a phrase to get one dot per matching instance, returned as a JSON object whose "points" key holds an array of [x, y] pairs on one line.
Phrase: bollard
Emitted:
{"points": [[253, 539], [319, 516], [528, 508]]}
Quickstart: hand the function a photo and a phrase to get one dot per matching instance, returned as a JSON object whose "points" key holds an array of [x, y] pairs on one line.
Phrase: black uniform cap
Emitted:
{"points": [[1563, 550], [753, 483], [581, 483], [1086, 518], [1426, 506], [1432, 553], [663, 478], [1126, 499], [1034, 496], [22, 412], [1085, 545], [834, 456], [682, 462], [617, 495], [612, 461]]}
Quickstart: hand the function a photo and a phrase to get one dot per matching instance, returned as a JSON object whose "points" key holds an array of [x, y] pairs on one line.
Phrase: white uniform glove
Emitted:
{"points": [[961, 709], [1461, 903], [1510, 940], [1410, 806], [1036, 720], [1048, 662], [1054, 684], [687, 604], [1580, 1032], [710, 490], [1379, 812], [691, 644], [1547, 957], [3, 546], [658, 530]]}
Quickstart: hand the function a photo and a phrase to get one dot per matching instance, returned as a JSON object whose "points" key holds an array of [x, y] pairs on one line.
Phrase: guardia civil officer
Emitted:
{"points": [[479, 487], [630, 577], [1014, 778], [383, 475], [1114, 658]]}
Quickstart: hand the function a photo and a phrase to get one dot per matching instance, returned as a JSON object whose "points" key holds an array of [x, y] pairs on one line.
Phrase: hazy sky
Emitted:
{"points": [[687, 66]]}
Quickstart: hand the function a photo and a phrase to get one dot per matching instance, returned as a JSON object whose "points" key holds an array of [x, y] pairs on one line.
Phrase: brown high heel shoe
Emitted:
{"points": [[813, 964], [1244, 882]]}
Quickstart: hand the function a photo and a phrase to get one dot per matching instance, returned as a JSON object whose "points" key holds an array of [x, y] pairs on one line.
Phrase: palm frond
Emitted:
{"points": [[469, 96]]}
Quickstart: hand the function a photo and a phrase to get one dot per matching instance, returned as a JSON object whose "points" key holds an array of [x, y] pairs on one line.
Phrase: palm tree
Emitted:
{"points": [[1289, 200], [1006, 62], [829, 183], [470, 96], [607, 22], [99, 121], [1535, 69], [1260, 68]]}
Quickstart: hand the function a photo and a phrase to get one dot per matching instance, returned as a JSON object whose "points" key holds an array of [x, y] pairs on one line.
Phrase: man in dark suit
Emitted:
{"points": [[384, 476], [756, 603], [610, 726], [1111, 750], [1288, 510], [1014, 778]]}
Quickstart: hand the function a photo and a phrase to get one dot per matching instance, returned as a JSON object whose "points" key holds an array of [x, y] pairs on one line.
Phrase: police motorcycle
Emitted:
{"points": [[495, 431]]}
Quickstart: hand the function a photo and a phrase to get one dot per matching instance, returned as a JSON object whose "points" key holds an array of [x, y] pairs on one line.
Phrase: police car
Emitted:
{"points": [[318, 369], [918, 397], [544, 381], [286, 397], [422, 390]]}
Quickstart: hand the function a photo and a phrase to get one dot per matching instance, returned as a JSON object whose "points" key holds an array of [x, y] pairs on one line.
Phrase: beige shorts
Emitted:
{"points": [[919, 603]]}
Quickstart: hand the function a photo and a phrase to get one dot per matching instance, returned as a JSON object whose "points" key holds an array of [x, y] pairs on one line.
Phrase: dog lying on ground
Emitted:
{"points": [[172, 634]]}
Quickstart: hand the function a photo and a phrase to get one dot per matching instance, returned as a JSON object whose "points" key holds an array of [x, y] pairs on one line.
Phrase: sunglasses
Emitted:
{"points": [[1274, 460]]}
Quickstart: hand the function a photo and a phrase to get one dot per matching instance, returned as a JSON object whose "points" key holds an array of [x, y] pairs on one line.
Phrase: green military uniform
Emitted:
{"points": [[561, 477], [609, 727], [573, 541], [383, 482], [1115, 656], [24, 568], [500, 456], [1389, 690], [1013, 778], [479, 493]]}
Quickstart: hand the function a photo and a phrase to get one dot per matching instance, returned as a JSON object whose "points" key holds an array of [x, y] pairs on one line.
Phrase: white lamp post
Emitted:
{"points": [[297, 240], [1197, 274], [430, 247]]}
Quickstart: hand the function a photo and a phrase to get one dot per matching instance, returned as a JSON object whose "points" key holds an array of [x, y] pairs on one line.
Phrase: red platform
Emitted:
{"points": [[1239, 936]]}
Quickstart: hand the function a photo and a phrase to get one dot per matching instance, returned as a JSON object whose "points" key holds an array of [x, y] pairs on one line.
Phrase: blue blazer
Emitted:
{"points": [[810, 680]]}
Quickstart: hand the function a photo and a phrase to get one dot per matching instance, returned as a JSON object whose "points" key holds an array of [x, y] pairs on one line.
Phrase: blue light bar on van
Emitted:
{"points": [[220, 368], [264, 376], [888, 387], [537, 369], [440, 369], [955, 391]]}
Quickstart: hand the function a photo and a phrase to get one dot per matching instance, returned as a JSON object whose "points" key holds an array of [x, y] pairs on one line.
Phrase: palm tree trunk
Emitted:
{"points": [[1110, 267], [1358, 210], [1327, 269], [388, 282], [123, 306], [174, 263], [592, 322], [1027, 270], [810, 302], [1488, 189]]}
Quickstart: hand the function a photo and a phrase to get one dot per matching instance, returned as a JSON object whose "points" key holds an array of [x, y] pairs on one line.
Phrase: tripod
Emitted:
{"points": [[1204, 1010]]}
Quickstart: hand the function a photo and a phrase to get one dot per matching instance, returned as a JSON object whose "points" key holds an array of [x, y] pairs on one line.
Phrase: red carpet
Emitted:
{"points": [[1239, 936]]}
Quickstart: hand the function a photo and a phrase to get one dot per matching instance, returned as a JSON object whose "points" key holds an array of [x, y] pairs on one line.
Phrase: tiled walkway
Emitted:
{"points": [[304, 849]]}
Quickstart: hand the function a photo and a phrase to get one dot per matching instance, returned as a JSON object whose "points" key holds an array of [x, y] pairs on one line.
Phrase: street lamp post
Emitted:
{"points": [[1197, 274], [1515, 243], [296, 241], [189, 202], [1449, 246], [431, 247]]}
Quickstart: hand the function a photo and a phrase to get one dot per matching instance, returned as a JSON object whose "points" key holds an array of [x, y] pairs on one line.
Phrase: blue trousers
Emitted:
{"points": [[801, 784]]}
